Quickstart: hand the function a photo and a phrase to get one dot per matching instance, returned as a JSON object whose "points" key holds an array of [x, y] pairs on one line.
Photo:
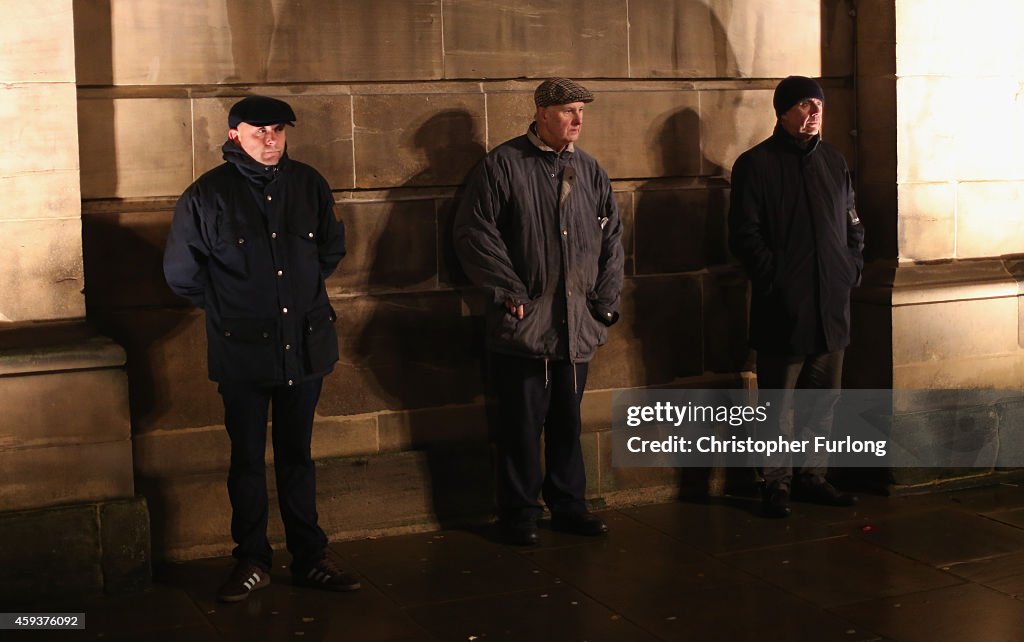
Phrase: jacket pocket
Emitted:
{"points": [[320, 339], [235, 248], [246, 349]]}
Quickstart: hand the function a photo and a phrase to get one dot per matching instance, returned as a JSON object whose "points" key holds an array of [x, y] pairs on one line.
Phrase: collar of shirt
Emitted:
{"points": [[531, 133]]}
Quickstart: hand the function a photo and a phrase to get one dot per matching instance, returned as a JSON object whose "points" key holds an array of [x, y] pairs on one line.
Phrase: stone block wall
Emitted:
{"points": [[396, 102]]}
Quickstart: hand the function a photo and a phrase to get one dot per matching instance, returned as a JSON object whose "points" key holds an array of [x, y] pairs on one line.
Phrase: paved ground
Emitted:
{"points": [[933, 568]]}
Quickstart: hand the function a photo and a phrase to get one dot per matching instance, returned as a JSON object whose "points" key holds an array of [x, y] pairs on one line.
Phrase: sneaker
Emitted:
{"points": [[579, 523], [245, 578], [326, 575], [775, 501]]}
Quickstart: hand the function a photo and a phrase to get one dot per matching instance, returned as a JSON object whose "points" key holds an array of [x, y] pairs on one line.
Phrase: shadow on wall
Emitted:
{"points": [[418, 346]]}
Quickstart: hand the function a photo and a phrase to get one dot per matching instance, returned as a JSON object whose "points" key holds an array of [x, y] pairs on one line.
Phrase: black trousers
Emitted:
{"points": [[535, 396], [245, 416], [803, 420]]}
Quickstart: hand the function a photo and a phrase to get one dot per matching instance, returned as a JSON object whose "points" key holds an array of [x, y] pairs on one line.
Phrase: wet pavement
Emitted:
{"points": [[936, 568]]}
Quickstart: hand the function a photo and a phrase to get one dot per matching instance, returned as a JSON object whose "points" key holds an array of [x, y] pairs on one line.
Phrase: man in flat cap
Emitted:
{"points": [[794, 226], [539, 230], [251, 243]]}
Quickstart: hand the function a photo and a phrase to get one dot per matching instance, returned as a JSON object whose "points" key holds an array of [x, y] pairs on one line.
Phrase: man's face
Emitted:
{"points": [[559, 125], [803, 120], [264, 143]]}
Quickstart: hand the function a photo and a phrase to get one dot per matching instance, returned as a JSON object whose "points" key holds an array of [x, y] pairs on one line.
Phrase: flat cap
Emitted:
{"points": [[260, 110], [561, 91]]}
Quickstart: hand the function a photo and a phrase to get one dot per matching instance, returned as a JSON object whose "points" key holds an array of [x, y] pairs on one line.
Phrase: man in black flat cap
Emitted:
{"points": [[538, 228], [251, 243], [794, 226]]}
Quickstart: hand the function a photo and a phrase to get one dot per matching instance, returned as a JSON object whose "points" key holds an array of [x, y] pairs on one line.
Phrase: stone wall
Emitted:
{"points": [[396, 102]]}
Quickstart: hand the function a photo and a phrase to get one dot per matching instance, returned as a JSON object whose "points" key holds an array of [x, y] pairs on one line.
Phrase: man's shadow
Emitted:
{"points": [[418, 345]]}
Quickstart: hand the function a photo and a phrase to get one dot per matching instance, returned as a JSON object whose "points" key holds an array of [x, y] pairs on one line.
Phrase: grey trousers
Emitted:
{"points": [[807, 419]]}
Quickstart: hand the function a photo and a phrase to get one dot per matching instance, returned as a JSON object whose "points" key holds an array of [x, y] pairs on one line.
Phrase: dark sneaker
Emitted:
{"points": [[520, 533], [823, 493], [587, 524], [326, 575], [775, 500], [245, 578]]}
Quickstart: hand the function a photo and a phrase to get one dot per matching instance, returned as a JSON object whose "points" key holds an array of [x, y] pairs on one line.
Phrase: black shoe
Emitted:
{"points": [[577, 523], [823, 493], [521, 533], [245, 578], [775, 501], [326, 575]]}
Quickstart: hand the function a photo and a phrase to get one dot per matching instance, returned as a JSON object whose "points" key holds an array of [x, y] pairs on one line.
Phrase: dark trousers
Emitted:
{"points": [[808, 418], [245, 416], [535, 397]]}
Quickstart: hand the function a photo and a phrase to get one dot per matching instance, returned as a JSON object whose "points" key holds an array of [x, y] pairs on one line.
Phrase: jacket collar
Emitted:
{"points": [[531, 133], [791, 144], [252, 169]]}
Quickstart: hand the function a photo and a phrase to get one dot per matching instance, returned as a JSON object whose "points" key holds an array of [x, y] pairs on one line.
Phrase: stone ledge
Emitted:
{"points": [[93, 353], [953, 281]]}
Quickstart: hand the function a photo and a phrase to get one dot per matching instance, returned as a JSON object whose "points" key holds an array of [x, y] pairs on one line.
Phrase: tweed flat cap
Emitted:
{"points": [[561, 91], [260, 110]]}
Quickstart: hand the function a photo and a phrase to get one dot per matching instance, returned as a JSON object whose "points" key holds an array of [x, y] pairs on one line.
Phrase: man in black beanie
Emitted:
{"points": [[251, 243], [794, 226]]}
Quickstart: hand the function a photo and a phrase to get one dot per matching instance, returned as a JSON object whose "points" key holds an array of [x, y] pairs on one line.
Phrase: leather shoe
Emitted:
{"points": [[775, 502], [519, 533], [587, 524], [823, 493]]}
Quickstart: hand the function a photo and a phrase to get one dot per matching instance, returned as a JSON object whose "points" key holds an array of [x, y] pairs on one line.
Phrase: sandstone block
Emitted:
{"points": [[38, 42], [988, 220], [536, 39], [417, 139], [44, 276], [37, 477], [731, 122], [939, 331], [391, 246], [135, 147], [123, 42], [927, 221], [64, 408]]}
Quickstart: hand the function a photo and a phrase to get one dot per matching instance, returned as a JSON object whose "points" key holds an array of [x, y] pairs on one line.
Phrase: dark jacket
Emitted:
{"points": [[543, 229], [252, 245], [793, 224]]}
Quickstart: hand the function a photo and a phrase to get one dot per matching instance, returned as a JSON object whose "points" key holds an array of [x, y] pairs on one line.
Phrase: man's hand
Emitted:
{"points": [[513, 309]]}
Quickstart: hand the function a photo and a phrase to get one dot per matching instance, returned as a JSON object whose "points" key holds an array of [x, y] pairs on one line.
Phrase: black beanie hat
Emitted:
{"points": [[792, 90], [259, 111]]}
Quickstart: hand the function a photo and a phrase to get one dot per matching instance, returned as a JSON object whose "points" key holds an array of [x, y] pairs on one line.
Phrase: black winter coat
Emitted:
{"points": [[252, 245], [543, 229], [794, 226]]}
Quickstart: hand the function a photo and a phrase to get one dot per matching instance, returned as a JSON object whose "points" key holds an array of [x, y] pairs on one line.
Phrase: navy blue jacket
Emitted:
{"points": [[793, 224], [252, 246]]}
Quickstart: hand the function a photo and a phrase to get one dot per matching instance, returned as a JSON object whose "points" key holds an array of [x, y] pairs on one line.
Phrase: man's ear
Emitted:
{"points": [[233, 134]]}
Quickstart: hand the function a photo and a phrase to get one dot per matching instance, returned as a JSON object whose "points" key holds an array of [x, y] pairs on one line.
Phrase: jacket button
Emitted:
{"points": [[310, 235], [280, 272], [287, 346], [291, 383], [569, 293], [227, 333], [265, 335], [241, 241], [269, 197], [284, 310], [565, 232], [273, 235]]}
